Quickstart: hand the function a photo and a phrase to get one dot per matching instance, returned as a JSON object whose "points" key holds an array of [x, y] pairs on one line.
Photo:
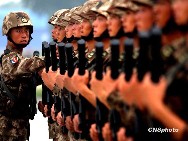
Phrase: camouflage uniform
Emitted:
{"points": [[16, 74], [54, 20]]}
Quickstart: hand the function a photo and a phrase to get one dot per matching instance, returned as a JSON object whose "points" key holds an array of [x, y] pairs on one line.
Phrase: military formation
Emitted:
{"points": [[116, 70]]}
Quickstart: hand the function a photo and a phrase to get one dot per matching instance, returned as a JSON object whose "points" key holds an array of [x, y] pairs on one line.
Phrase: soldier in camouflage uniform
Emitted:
{"points": [[16, 78], [55, 33]]}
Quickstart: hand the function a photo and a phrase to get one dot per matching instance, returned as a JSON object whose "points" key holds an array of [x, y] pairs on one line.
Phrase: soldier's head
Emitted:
{"points": [[144, 16], [76, 19], [100, 25], [87, 19], [129, 10], [61, 33], [56, 28], [18, 28], [115, 28], [180, 8]]}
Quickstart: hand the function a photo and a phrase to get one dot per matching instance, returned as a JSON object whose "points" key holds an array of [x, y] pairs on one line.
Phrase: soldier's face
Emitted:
{"points": [[69, 30], [144, 18], [99, 25], [162, 12], [114, 25], [20, 35], [128, 21], [55, 32], [86, 27], [180, 9], [76, 30], [61, 34]]}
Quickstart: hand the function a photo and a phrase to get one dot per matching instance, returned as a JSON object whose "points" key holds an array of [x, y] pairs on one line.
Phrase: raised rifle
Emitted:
{"points": [[114, 116], [70, 69], [99, 75], [44, 89], [54, 61], [81, 71], [33, 100], [48, 92], [64, 102]]}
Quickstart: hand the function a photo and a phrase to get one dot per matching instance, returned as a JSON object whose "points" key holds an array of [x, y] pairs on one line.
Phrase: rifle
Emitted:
{"points": [[114, 116], [143, 65], [70, 69], [99, 75], [48, 93], [81, 71], [33, 100], [156, 62], [62, 66], [54, 68], [44, 89]]}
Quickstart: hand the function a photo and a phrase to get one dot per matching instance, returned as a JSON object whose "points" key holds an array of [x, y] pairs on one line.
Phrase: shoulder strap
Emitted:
{"points": [[5, 88]]}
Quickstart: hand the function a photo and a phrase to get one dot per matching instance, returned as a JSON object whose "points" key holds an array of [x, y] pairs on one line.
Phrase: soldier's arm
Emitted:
{"points": [[15, 64]]}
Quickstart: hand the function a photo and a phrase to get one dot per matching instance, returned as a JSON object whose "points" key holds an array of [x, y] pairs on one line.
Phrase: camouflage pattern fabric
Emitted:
{"points": [[17, 74], [59, 136], [15, 19]]}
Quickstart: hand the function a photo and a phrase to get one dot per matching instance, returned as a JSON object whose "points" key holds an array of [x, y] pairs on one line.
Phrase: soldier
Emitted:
{"points": [[17, 78]]}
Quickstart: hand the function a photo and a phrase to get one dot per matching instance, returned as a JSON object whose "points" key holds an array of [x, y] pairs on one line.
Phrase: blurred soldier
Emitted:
{"points": [[56, 32], [16, 78]]}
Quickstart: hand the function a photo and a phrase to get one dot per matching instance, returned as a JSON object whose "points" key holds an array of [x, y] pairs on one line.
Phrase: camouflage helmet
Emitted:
{"points": [[102, 8], [60, 21], [149, 3], [85, 11], [16, 19], [55, 16]]}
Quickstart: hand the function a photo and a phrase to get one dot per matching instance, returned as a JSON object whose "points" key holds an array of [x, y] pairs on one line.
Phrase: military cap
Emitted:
{"points": [[54, 17], [125, 5], [68, 16], [85, 11], [74, 17], [16, 19], [60, 20], [143, 2], [101, 8]]}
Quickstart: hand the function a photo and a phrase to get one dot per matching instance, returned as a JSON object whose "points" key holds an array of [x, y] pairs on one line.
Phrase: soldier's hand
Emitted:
{"points": [[47, 80], [60, 119], [121, 136], [45, 111], [68, 83], [52, 75], [69, 124], [76, 123], [124, 87], [109, 84], [60, 79], [97, 87], [41, 107], [53, 113], [106, 132], [80, 81], [93, 132]]}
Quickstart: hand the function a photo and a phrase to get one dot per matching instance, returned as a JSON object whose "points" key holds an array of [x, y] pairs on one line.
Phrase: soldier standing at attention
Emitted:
{"points": [[17, 78]]}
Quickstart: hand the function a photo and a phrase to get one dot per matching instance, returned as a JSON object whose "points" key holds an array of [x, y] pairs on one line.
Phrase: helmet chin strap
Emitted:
{"points": [[19, 45]]}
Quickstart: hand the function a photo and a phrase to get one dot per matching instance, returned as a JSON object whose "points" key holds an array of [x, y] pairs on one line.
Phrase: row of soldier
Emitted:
{"points": [[130, 100], [116, 70]]}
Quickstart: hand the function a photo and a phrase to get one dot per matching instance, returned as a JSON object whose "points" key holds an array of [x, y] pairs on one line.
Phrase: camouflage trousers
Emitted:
{"points": [[11, 139], [71, 137], [13, 129], [59, 136]]}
